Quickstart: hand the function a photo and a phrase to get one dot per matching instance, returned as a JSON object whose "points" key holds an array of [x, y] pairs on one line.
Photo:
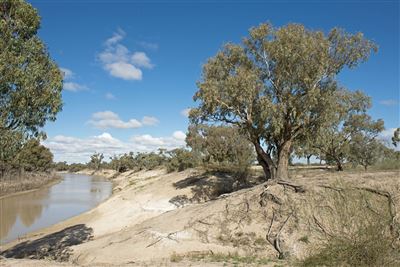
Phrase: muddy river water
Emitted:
{"points": [[27, 212]]}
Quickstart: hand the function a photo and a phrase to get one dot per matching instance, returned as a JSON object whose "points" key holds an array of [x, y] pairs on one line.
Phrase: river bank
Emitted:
{"points": [[14, 183], [154, 218]]}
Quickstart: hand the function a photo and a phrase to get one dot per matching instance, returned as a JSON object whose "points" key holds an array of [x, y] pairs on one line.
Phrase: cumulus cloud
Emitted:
{"points": [[108, 119], [120, 62], [179, 135], [149, 120], [185, 112], [72, 149], [69, 85], [140, 59], [67, 73], [124, 71], [389, 102], [74, 87], [117, 36]]}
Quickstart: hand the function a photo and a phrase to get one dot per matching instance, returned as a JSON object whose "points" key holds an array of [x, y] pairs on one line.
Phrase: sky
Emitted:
{"points": [[131, 67]]}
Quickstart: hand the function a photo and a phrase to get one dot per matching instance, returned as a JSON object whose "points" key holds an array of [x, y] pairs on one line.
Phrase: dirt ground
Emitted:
{"points": [[189, 218]]}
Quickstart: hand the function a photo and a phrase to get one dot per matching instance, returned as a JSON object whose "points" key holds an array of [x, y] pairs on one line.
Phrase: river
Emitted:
{"points": [[31, 211]]}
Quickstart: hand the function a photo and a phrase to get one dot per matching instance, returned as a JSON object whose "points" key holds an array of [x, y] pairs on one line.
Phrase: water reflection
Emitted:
{"points": [[21, 214]]}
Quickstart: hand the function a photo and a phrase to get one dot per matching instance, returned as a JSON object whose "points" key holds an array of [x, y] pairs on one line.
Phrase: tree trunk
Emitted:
{"points": [[308, 159], [283, 160], [265, 161], [339, 166]]}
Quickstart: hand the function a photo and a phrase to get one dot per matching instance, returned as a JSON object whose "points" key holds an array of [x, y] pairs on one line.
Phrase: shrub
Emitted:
{"points": [[180, 159], [356, 227]]}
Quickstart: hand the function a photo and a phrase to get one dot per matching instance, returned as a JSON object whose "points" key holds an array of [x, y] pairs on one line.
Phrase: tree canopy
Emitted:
{"points": [[278, 86], [30, 81]]}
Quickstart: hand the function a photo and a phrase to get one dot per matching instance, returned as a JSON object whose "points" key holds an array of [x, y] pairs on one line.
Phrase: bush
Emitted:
{"points": [[222, 149], [356, 227], [180, 159]]}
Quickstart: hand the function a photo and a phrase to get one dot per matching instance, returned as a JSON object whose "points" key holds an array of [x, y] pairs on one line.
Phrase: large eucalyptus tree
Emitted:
{"points": [[30, 81], [278, 86]]}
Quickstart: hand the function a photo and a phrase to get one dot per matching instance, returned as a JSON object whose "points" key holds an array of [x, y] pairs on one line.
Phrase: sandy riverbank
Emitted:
{"points": [[154, 219]]}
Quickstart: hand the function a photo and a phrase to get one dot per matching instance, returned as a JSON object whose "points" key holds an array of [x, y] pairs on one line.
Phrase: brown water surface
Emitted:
{"points": [[27, 212]]}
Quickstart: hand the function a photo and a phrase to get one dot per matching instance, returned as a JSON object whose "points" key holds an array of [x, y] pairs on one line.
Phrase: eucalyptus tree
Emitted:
{"points": [[30, 81], [351, 133], [277, 86], [96, 160]]}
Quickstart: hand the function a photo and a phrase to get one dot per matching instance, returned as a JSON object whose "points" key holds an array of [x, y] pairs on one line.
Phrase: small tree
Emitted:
{"points": [[334, 141], [34, 156], [364, 151], [180, 159], [96, 160], [221, 145]]}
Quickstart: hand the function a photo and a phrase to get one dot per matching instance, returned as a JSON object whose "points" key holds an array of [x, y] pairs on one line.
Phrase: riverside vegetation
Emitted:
{"points": [[259, 105]]}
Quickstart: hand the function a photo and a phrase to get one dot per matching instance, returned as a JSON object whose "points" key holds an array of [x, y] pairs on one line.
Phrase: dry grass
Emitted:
{"points": [[14, 182]]}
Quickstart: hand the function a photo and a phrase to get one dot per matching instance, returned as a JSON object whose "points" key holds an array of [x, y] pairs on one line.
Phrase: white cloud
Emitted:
{"points": [[108, 119], [124, 71], [140, 59], [150, 120], [179, 135], [120, 62], [71, 86], [67, 73], [117, 36], [389, 102], [74, 87], [72, 149], [110, 96], [386, 137], [185, 112]]}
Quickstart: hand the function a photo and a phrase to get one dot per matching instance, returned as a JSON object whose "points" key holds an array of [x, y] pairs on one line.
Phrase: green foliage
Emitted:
{"points": [[61, 166], [30, 86], [30, 81], [149, 161], [75, 167], [278, 86], [95, 161], [365, 151], [123, 163], [180, 159], [34, 157], [351, 134], [222, 148]]}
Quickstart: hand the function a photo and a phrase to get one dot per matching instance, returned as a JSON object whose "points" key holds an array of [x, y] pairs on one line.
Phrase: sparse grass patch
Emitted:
{"points": [[209, 256], [356, 228]]}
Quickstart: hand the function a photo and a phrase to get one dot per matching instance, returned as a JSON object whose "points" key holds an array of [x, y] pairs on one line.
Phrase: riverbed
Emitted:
{"points": [[23, 213]]}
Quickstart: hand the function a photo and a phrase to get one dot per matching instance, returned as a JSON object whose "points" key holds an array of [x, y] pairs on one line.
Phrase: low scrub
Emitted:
{"points": [[357, 227]]}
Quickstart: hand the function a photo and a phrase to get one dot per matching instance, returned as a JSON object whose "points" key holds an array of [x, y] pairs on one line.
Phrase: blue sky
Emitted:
{"points": [[131, 66]]}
